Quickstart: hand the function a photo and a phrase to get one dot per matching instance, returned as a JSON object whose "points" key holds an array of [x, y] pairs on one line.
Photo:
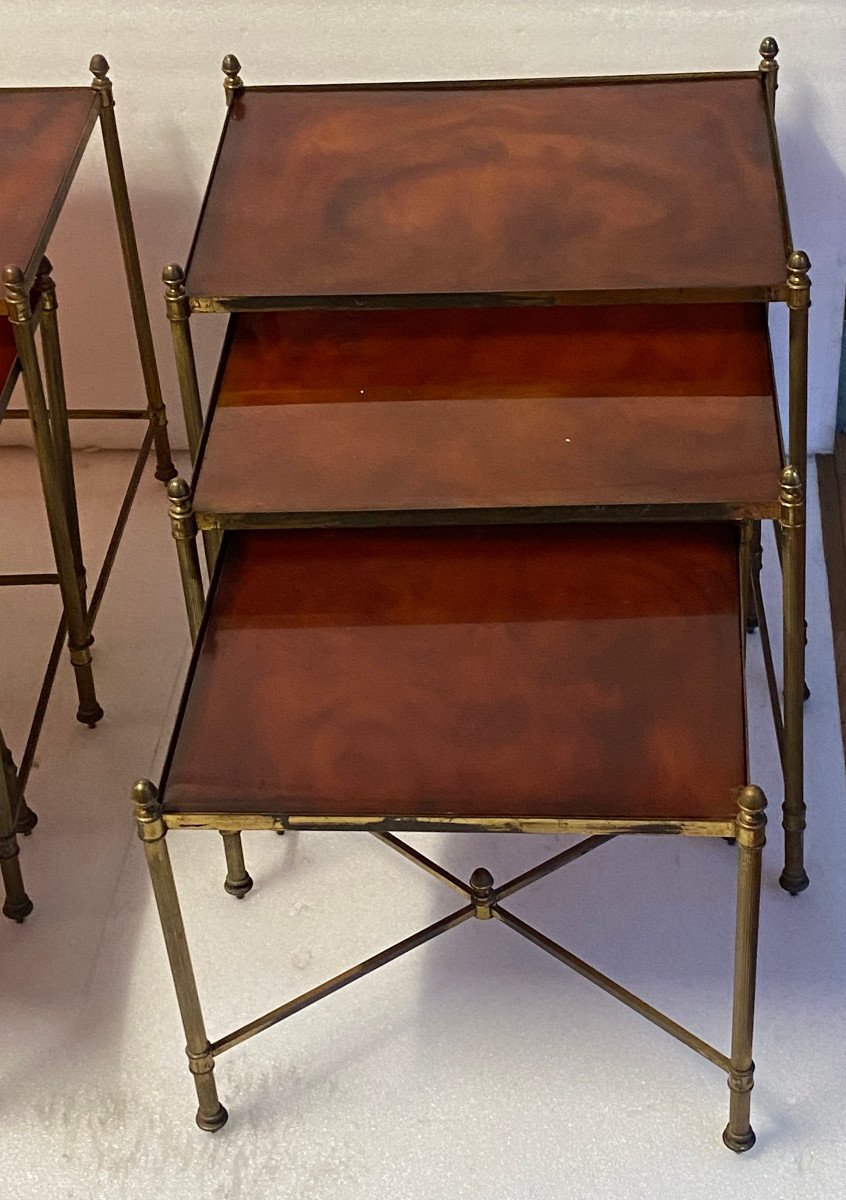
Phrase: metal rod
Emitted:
{"points": [[342, 980], [40, 712], [794, 878], [101, 83], [769, 666], [552, 864], [178, 314], [33, 579], [183, 527], [422, 861], [58, 411], [120, 525], [86, 414], [17, 904], [613, 989]]}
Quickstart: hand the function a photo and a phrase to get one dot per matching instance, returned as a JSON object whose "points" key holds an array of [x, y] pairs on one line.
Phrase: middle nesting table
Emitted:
{"points": [[504, 414]]}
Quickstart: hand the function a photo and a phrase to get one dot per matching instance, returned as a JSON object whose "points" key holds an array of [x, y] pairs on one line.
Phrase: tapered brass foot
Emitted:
{"points": [[166, 471], [17, 910], [89, 714], [212, 1123], [739, 1143], [238, 881], [27, 819], [794, 882]]}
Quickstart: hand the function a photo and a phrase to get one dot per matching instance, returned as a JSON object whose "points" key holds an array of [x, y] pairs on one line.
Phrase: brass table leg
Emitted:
{"points": [[79, 634], [238, 881], [17, 905], [23, 816], [751, 825], [211, 1115], [183, 527], [58, 410], [756, 554], [126, 230], [794, 878]]}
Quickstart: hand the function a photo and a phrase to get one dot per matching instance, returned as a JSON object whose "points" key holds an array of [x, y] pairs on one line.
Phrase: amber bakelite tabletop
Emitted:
{"points": [[407, 416], [43, 133], [532, 189], [548, 671]]}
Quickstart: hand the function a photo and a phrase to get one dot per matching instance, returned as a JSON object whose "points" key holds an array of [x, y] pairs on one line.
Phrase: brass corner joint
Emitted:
{"points": [[176, 298], [798, 281], [768, 66], [751, 819], [792, 499], [183, 523], [147, 810]]}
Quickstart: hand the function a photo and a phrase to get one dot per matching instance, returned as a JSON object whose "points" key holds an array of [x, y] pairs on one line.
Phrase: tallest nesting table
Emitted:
{"points": [[481, 481]]}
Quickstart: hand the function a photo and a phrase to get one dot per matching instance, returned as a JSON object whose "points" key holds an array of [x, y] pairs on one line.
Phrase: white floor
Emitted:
{"points": [[475, 1067]]}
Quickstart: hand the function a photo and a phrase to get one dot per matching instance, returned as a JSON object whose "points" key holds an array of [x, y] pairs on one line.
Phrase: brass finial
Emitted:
{"points": [[769, 67], [791, 480], [183, 525], [233, 83], [46, 286], [178, 490], [481, 888], [798, 283], [174, 276], [769, 50], [751, 817], [147, 809], [799, 263], [98, 66], [176, 299], [101, 83]]}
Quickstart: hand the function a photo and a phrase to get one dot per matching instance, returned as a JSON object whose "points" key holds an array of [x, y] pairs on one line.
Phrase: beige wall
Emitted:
{"points": [[165, 61]]}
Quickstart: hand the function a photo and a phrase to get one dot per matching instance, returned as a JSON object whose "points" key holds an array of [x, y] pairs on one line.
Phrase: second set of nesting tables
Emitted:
{"points": [[481, 482]]}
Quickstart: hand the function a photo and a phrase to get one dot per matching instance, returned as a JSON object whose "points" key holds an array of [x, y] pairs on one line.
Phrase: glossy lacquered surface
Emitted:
{"points": [[355, 413], [43, 132], [490, 189], [547, 671]]}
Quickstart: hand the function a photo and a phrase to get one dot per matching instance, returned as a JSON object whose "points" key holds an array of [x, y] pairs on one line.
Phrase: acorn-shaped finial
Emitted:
{"points": [[233, 83]]}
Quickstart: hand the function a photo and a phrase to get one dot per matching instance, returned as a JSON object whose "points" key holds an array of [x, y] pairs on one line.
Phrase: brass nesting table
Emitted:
{"points": [[45, 131], [480, 484]]}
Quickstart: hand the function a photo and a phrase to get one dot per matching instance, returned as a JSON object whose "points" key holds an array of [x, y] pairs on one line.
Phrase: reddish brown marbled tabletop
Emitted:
{"points": [[545, 189], [550, 671], [351, 416], [43, 133]]}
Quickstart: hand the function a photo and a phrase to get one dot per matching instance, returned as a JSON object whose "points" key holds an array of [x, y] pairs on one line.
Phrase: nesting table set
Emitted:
{"points": [[480, 486], [43, 135]]}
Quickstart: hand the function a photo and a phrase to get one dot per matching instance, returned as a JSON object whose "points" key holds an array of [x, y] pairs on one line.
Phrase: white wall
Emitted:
{"points": [[165, 60]]}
